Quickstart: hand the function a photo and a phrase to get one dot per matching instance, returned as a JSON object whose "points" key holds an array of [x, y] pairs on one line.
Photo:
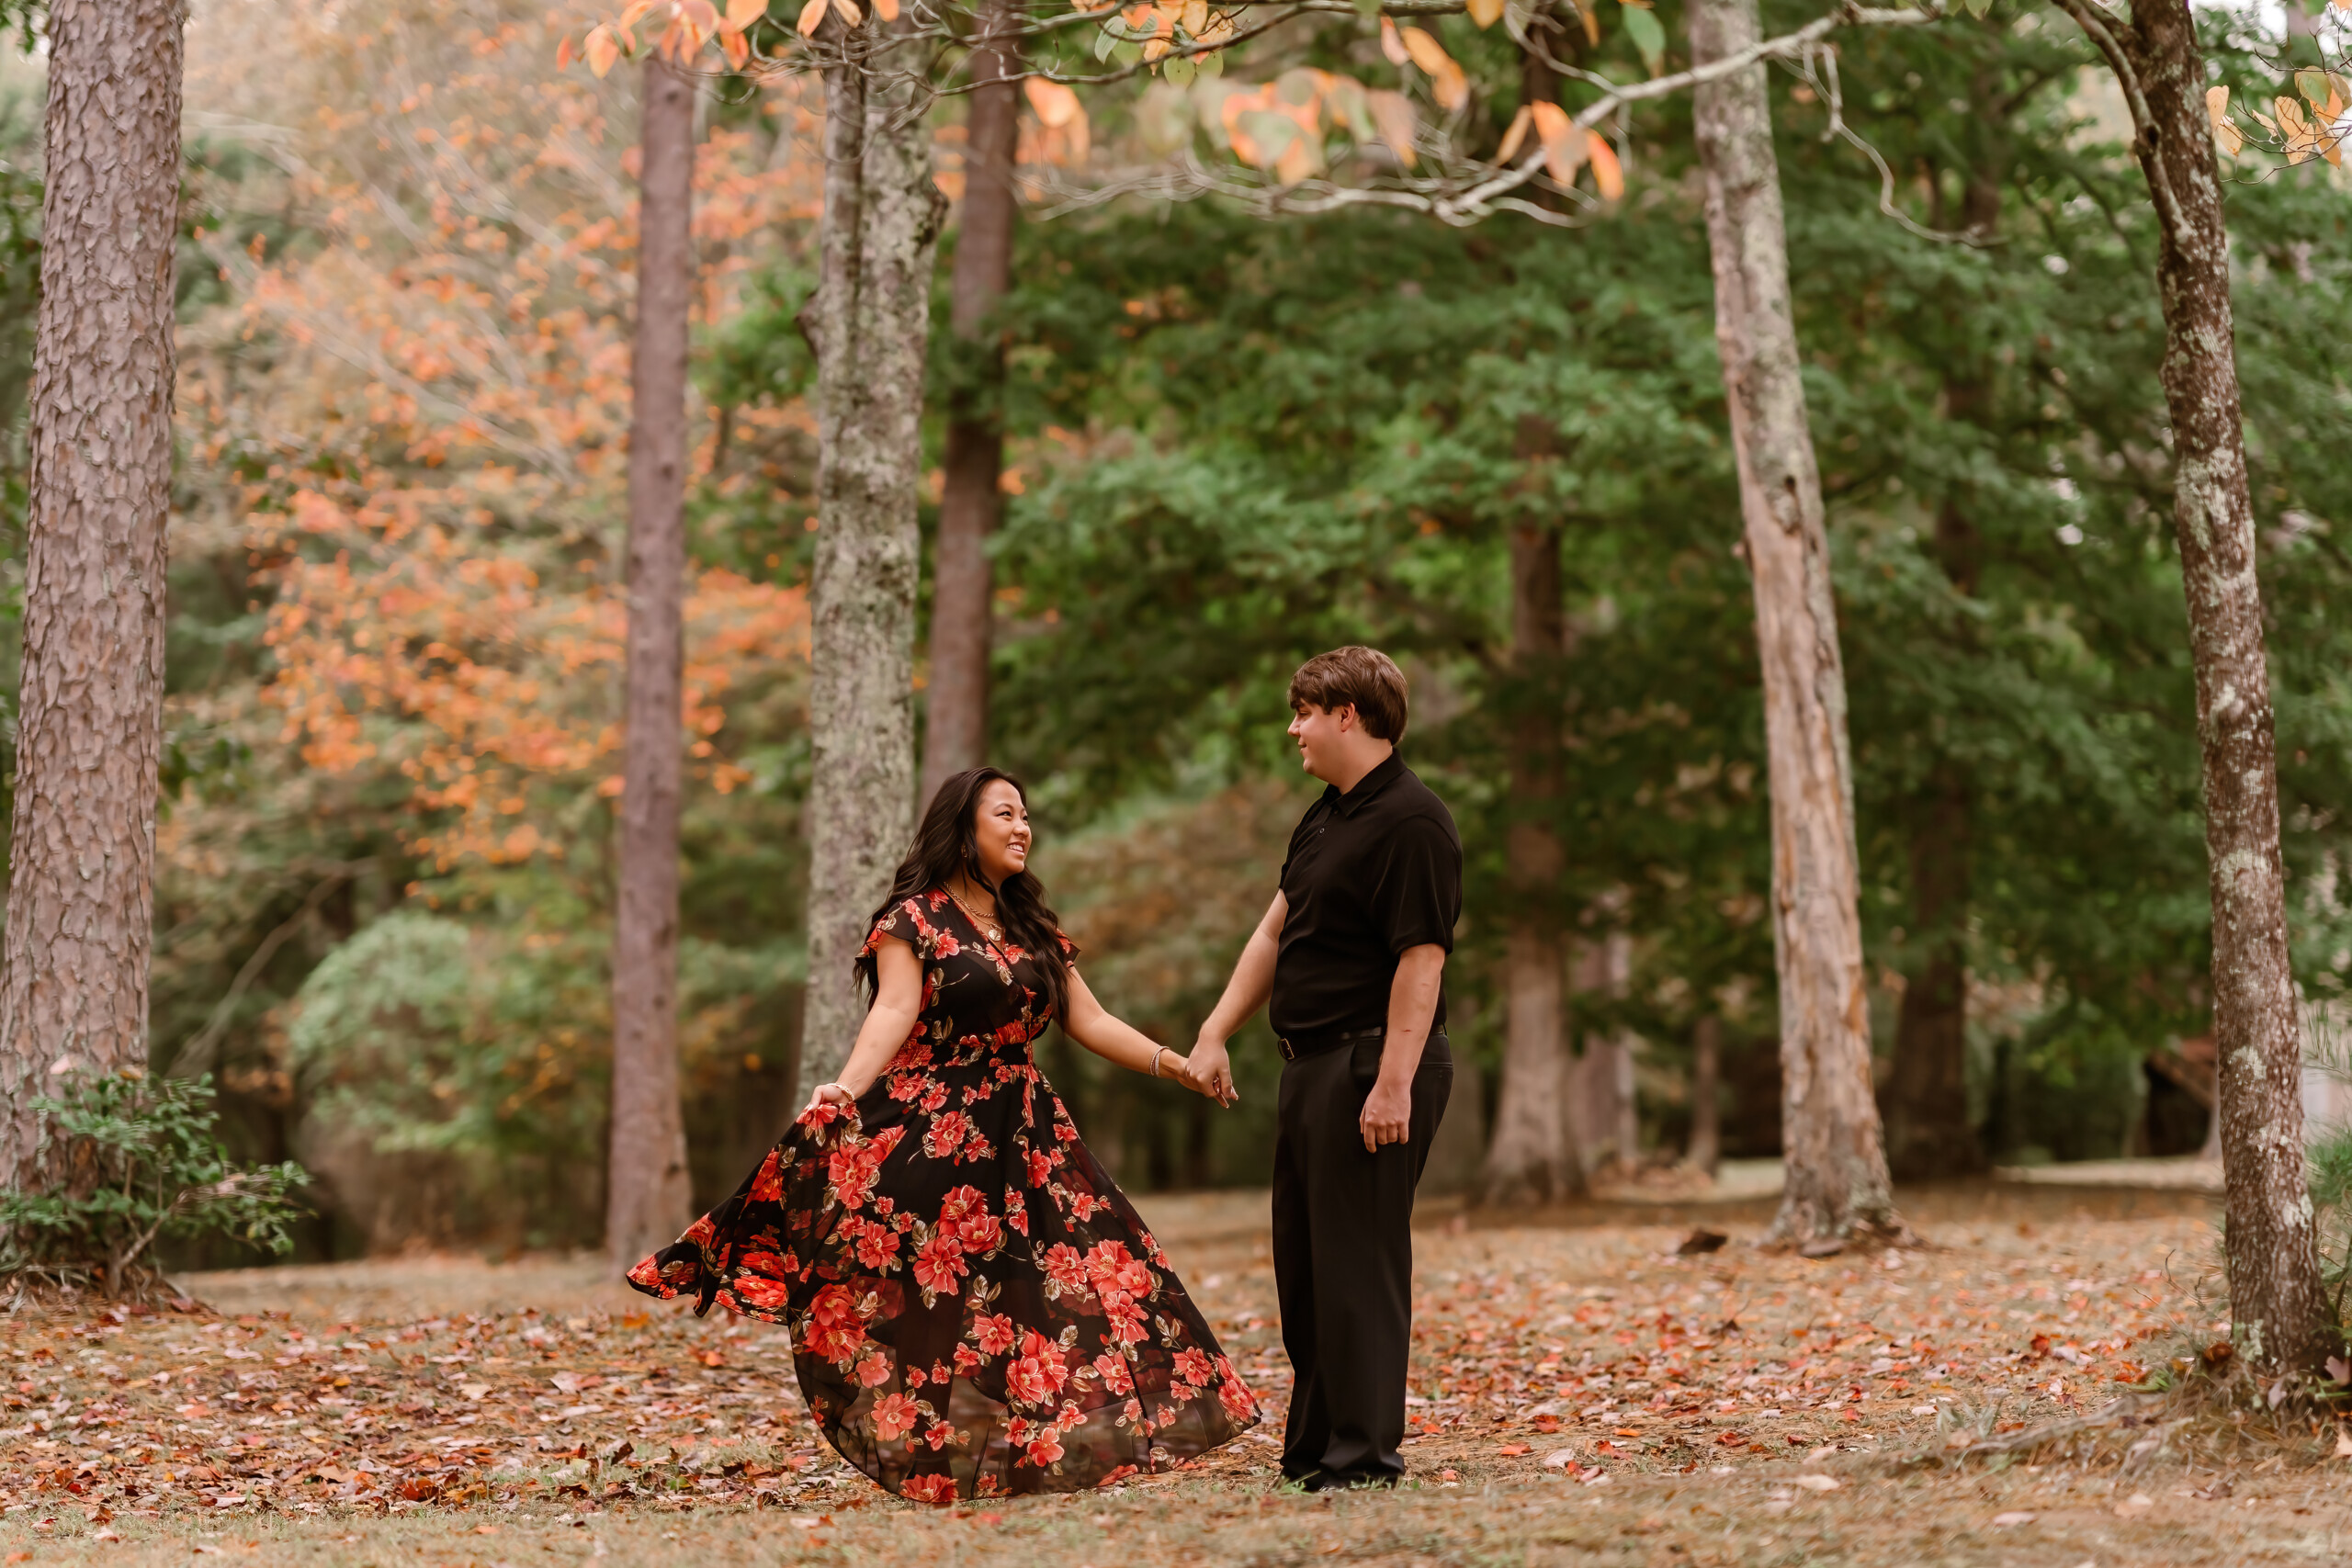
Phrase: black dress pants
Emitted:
{"points": [[1343, 1260]]}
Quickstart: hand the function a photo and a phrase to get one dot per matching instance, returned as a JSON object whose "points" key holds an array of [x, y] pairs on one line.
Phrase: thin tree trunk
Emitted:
{"points": [[1531, 1157], [649, 1197], [1927, 1130], [2276, 1305], [866, 324], [1838, 1184], [1706, 1150], [73, 962], [957, 731]]}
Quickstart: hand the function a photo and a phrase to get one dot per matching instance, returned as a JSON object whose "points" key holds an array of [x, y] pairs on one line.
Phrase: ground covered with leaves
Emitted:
{"points": [[1582, 1390]]}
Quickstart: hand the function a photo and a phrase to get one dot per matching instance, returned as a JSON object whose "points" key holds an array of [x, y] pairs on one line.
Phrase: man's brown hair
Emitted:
{"points": [[1365, 676]]}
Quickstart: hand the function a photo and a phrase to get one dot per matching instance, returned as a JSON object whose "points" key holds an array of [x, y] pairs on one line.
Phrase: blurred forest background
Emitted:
{"points": [[385, 878]]}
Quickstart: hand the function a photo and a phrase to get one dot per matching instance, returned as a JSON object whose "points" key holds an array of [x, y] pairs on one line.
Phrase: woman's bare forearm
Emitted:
{"points": [[1111, 1037], [887, 1029]]}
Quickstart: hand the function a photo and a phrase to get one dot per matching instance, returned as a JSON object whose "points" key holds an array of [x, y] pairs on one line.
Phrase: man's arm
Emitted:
{"points": [[1211, 1069], [1388, 1116]]}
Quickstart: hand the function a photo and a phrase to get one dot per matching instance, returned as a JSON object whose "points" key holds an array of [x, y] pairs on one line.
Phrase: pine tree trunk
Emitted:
{"points": [[649, 1197], [1838, 1185], [1532, 1157], [2276, 1305], [74, 961], [955, 733], [1706, 1150], [866, 324]]}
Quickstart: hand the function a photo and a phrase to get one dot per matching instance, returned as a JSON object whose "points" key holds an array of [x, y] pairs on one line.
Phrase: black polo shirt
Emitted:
{"points": [[1371, 872]]}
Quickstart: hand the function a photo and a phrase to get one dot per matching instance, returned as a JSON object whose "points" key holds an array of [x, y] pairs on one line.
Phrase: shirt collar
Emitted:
{"points": [[1372, 783]]}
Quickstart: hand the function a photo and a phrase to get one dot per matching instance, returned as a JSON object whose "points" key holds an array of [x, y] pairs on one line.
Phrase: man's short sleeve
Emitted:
{"points": [[1420, 890]]}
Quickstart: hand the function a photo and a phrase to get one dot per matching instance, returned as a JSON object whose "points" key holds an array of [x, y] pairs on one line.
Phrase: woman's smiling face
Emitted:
{"points": [[1000, 831]]}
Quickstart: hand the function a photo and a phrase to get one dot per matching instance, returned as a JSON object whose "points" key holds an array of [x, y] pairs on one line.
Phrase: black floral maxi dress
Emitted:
{"points": [[975, 1309]]}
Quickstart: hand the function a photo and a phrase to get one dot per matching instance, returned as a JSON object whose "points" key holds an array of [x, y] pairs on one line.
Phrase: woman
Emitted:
{"points": [[975, 1309]]}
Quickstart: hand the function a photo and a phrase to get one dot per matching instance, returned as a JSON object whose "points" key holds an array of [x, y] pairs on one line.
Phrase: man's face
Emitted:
{"points": [[1322, 735]]}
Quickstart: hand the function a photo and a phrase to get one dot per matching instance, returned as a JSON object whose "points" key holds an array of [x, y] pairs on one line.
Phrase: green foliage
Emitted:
{"points": [[137, 1159], [2330, 1155]]}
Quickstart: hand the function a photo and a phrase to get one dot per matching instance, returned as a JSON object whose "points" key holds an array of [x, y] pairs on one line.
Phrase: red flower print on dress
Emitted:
{"points": [[939, 1266], [869, 1228], [948, 1130], [767, 1183], [993, 1331], [895, 1415], [1066, 1268]]}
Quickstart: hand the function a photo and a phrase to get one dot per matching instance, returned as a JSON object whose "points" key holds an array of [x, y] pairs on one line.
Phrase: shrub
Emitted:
{"points": [[137, 1160]]}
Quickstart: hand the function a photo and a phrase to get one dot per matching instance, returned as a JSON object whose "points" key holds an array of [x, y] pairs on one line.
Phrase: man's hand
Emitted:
{"points": [[1210, 1071], [1387, 1115]]}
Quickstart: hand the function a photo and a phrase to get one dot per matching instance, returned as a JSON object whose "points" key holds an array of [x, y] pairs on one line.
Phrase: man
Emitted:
{"points": [[1352, 953]]}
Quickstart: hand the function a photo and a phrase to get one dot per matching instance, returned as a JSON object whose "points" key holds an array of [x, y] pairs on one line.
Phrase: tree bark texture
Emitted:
{"points": [[1531, 1157], [648, 1195], [866, 324], [73, 962], [1838, 1184], [956, 730], [1706, 1150], [2276, 1305]]}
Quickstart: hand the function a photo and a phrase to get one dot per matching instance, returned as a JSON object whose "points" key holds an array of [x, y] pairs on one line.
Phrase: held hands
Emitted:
{"points": [[1210, 1071], [1387, 1115]]}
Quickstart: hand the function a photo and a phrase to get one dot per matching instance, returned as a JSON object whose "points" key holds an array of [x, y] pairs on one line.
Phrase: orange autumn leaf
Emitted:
{"points": [[602, 48], [1607, 173], [812, 16], [1516, 134], [1563, 144]]}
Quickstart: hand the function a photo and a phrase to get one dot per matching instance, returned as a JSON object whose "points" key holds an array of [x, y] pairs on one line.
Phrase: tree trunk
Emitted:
{"points": [[2276, 1305], [866, 324], [1927, 1130], [649, 1197], [956, 732], [1706, 1076], [74, 961], [1838, 1185], [1532, 1155]]}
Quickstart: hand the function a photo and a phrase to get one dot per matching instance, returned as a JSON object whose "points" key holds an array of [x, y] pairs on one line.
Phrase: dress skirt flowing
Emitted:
{"points": [[975, 1309]]}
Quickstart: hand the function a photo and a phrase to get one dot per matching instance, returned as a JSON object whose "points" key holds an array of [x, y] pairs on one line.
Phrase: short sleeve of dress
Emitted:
{"points": [[899, 921], [1070, 948]]}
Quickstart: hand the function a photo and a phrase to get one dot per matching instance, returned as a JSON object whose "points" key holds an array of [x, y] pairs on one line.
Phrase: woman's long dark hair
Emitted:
{"points": [[946, 848]]}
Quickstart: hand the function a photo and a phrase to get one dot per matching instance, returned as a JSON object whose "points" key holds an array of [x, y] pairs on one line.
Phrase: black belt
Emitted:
{"points": [[1315, 1043]]}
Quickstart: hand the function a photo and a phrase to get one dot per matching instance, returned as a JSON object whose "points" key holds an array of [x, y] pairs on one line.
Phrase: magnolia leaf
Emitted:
{"points": [[1485, 13], [1607, 173], [741, 13], [1562, 142], [1055, 104], [1649, 34], [1195, 16], [737, 48], [812, 15], [1425, 51], [886, 10], [1343, 103], [1507, 148], [1127, 53], [2313, 85], [1393, 113], [637, 11], [1452, 87], [700, 16], [1391, 44], [848, 12], [1210, 64], [563, 53], [602, 48], [1179, 70], [2226, 134], [1107, 40], [1154, 48], [1261, 136]]}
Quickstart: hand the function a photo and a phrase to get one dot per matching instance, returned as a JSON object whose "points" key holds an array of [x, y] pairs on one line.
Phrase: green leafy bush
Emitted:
{"points": [[137, 1160], [2329, 1152]]}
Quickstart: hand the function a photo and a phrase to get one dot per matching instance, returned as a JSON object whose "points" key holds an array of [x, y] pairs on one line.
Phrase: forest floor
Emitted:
{"points": [[1582, 1394]]}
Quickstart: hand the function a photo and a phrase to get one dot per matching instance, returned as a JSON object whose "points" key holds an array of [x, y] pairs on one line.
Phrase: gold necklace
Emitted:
{"points": [[987, 922]]}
